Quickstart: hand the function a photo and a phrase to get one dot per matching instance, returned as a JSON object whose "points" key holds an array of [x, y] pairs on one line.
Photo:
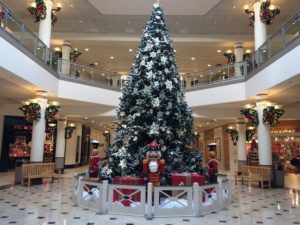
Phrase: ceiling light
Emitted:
{"points": [[248, 51], [85, 118], [193, 58], [207, 123], [86, 49], [208, 65], [229, 51], [57, 49], [219, 51], [112, 57], [54, 103], [215, 120], [80, 21], [130, 50], [93, 121], [95, 63], [175, 50], [102, 74], [71, 5], [234, 6]]}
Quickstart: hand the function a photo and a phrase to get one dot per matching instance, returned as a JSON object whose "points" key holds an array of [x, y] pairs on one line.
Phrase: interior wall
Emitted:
{"points": [[73, 146]]}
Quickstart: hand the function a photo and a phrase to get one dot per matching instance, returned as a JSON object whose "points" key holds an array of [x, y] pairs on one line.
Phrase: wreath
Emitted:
{"points": [[234, 135], [51, 112], [39, 12], [32, 111], [271, 116], [251, 115]]}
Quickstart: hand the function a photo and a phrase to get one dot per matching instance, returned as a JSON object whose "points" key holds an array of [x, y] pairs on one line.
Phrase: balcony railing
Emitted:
{"points": [[16, 28], [12, 25]]}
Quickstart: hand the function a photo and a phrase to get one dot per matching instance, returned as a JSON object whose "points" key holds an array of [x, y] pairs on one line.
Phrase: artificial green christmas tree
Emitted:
{"points": [[153, 107]]}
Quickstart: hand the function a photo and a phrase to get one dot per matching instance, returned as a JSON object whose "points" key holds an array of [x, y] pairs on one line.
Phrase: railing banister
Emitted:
{"points": [[197, 200], [104, 197], [149, 215]]}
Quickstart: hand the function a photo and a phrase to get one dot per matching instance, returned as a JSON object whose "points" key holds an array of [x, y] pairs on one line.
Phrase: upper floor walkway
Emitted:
{"points": [[24, 57]]}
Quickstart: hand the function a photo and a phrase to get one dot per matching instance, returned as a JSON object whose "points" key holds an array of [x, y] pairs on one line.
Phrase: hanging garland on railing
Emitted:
{"points": [[51, 112], [31, 111], [74, 55], [271, 116], [251, 115], [69, 131], [267, 15], [234, 135], [249, 134], [39, 12]]}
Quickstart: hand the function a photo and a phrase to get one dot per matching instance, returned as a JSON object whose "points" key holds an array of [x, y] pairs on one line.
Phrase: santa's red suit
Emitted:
{"points": [[154, 170]]}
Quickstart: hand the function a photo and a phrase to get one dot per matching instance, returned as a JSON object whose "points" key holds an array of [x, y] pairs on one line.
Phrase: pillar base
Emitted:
{"points": [[241, 163]]}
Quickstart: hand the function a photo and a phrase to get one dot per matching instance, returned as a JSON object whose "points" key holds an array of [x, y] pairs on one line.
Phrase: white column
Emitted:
{"points": [[38, 130], [45, 25], [66, 53], [263, 133], [238, 53], [241, 144], [188, 82], [115, 79], [260, 28], [60, 144]]}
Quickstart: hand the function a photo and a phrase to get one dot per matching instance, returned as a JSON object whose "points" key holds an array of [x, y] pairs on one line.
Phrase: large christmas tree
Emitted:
{"points": [[153, 107]]}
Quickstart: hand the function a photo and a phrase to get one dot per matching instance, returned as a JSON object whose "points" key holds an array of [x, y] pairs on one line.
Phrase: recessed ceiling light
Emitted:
{"points": [[215, 120], [93, 121], [57, 49], [193, 58], [248, 51], [234, 6], [85, 118], [112, 57], [102, 74], [76, 49], [86, 49], [219, 51], [207, 123], [128, 22], [71, 5], [96, 64], [229, 51], [201, 75], [130, 50], [80, 21], [208, 65], [175, 50]]}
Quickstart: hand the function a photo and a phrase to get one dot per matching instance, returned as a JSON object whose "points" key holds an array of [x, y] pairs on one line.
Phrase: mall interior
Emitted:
{"points": [[234, 58]]}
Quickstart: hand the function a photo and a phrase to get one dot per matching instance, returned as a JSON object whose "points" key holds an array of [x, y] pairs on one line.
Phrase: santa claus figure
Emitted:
{"points": [[154, 168], [212, 167]]}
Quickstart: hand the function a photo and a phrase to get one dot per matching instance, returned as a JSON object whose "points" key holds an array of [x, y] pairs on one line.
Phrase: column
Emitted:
{"points": [[188, 82], [115, 79], [1, 132], [241, 144], [238, 53], [260, 28], [66, 53], [38, 130], [60, 145], [263, 133], [45, 25]]}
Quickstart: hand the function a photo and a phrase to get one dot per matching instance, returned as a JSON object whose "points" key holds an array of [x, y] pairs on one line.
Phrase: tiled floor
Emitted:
{"points": [[52, 204]]}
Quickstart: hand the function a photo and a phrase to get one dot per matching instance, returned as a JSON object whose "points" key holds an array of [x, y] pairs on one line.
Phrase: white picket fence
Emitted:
{"points": [[151, 202]]}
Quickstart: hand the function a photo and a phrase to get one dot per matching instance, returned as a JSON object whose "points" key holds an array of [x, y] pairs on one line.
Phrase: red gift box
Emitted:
{"points": [[126, 192], [187, 179]]}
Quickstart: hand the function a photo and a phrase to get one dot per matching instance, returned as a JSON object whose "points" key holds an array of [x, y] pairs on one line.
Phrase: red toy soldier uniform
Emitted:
{"points": [[212, 167], [94, 164], [154, 168]]}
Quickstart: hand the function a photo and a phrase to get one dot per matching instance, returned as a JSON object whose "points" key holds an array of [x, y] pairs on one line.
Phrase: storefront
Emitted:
{"points": [[16, 142]]}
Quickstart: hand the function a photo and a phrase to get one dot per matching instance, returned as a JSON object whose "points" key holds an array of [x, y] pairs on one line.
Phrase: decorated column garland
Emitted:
{"points": [[251, 115], [31, 111], [39, 12], [69, 131], [230, 57], [271, 115], [51, 112], [249, 134], [267, 15], [234, 135], [74, 55]]}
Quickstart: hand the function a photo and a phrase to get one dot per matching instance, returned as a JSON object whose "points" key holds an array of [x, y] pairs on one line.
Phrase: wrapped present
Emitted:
{"points": [[126, 193], [187, 179], [87, 187]]}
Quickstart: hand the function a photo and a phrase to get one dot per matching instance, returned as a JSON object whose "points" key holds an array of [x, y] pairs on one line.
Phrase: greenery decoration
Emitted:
{"points": [[230, 57], [249, 134], [234, 135], [39, 12], [51, 112], [251, 115], [74, 55], [267, 15], [31, 111], [69, 131], [271, 115]]}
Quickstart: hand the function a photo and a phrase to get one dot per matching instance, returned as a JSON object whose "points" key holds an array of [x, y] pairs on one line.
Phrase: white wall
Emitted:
{"points": [[70, 157]]}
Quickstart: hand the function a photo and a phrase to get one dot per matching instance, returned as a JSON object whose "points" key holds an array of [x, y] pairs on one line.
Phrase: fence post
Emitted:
{"points": [[197, 199], [220, 193], [104, 197], [149, 215]]}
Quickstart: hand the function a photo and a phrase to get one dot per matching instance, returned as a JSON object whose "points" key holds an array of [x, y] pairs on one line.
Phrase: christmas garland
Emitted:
{"points": [[74, 55], [230, 57], [234, 135], [249, 135], [39, 12], [32, 111], [69, 131], [272, 115], [266, 14], [251, 115], [51, 112]]}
